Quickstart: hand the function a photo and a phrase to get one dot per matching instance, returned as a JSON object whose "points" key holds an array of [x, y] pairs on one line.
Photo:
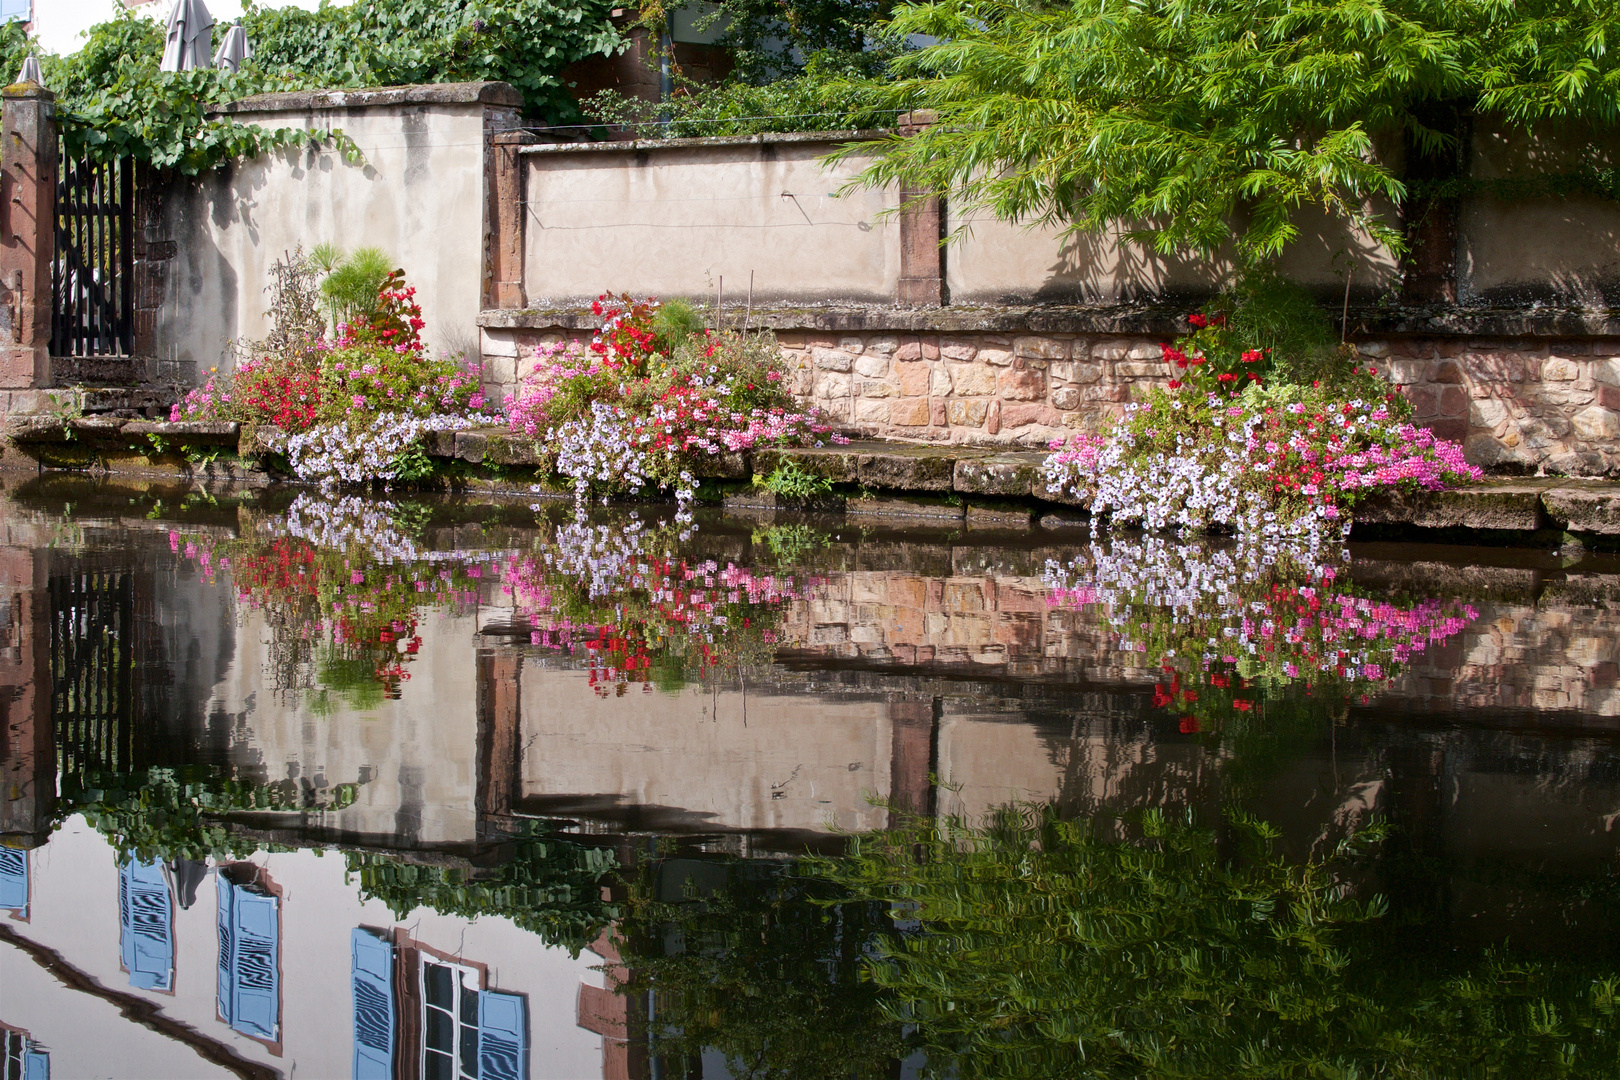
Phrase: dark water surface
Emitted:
{"points": [[330, 787]]}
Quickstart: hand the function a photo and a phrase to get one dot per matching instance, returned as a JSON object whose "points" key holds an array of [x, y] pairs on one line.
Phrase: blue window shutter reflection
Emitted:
{"points": [[371, 969], [503, 1036], [249, 960], [13, 879], [227, 946], [36, 1065], [146, 925], [14, 9]]}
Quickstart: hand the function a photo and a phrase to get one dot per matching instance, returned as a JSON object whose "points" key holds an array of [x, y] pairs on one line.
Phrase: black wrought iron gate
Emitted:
{"points": [[92, 667], [93, 276]]}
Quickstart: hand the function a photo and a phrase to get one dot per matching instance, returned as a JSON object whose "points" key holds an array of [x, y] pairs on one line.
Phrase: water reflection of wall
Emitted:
{"points": [[723, 759], [411, 761], [1557, 653], [85, 1011]]}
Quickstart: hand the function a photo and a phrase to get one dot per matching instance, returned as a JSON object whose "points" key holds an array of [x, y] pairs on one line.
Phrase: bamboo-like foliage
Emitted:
{"points": [[1188, 124]]}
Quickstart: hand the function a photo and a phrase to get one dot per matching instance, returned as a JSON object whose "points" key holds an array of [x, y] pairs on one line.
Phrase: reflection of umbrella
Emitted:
{"points": [[233, 50], [30, 71], [189, 36]]}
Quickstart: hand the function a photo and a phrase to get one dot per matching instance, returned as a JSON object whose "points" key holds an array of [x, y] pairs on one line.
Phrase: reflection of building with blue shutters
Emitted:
{"points": [[249, 959], [15, 11], [146, 925], [13, 879], [459, 1029], [371, 969]]}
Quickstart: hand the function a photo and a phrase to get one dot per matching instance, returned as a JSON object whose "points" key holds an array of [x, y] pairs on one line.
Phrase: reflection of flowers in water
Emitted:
{"points": [[1228, 617], [341, 588], [639, 612], [353, 522]]}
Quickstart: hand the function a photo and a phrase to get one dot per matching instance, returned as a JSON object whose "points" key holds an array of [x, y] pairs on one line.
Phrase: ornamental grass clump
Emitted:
{"points": [[651, 394], [1227, 447]]}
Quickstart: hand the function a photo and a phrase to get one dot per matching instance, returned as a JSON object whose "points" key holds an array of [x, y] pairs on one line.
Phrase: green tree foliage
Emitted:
{"points": [[527, 43], [114, 102], [1047, 947], [544, 883], [181, 812], [761, 964], [1178, 121]]}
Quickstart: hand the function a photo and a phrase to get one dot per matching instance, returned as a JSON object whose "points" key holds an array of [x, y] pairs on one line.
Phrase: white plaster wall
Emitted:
{"points": [[808, 763], [420, 751], [673, 222], [418, 196], [75, 912]]}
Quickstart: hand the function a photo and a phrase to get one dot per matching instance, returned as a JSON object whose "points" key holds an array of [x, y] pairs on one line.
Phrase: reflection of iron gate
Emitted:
{"points": [[92, 636], [93, 277]]}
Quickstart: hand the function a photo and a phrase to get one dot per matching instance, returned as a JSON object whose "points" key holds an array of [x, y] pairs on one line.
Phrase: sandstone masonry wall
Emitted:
{"points": [[1519, 404]]}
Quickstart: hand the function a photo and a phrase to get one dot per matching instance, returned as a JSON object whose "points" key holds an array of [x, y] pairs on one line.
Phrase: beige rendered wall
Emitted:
{"points": [[672, 220], [418, 196], [1560, 248], [994, 261]]}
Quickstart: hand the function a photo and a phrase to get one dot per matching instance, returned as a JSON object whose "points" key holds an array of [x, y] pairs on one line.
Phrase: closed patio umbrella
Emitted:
{"points": [[189, 38], [233, 50]]}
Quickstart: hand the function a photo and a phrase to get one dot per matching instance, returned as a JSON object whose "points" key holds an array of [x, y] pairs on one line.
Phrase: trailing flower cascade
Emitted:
{"points": [[354, 408], [1215, 453], [636, 407]]}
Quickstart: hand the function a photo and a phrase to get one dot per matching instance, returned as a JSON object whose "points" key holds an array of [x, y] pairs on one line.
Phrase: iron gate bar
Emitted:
{"points": [[93, 275]]}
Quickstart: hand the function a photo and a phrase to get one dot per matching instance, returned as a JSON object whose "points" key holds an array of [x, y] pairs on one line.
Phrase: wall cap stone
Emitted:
{"points": [[488, 93], [776, 138], [1144, 320]]}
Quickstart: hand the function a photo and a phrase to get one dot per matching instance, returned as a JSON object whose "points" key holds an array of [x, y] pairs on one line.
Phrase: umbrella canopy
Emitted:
{"points": [[30, 71], [189, 37], [233, 50]]}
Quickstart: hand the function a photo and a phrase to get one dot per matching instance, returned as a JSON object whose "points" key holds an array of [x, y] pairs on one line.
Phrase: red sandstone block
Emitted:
{"points": [[1450, 427], [1023, 385], [936, 413], [1424, 402], [1453, 401], [1022, 414]]}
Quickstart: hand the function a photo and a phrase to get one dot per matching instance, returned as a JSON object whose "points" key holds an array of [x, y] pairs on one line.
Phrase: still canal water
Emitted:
{"points": [[329, 787]]}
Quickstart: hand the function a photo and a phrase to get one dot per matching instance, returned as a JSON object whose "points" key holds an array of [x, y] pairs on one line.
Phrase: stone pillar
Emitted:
{"points": [[504, 281], [28, 239], [499, 724], [913, 758], [922, 228], [27, 742]]}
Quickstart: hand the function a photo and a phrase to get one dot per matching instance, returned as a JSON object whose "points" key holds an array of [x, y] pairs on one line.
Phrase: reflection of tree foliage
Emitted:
{"points": [[177, 813], [550, 886], [767, 968], [1045, 950]]}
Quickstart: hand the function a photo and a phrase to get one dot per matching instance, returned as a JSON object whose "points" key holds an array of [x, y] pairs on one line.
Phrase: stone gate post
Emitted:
{"points": [[27, 241]]}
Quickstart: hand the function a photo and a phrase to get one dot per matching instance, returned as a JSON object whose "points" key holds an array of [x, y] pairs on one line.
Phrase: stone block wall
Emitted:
{"points": [[1520, 404]]}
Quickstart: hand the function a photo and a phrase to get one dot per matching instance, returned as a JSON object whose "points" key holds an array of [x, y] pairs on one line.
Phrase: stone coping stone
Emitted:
{"points": [[488, 93], [1154, 320], [769, 138], [199, 430]]}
